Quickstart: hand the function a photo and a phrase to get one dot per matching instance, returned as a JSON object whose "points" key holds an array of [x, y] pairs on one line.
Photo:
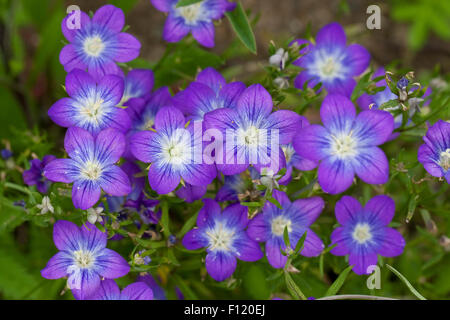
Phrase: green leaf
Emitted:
{"points": [[183, 3], [294, 290], [188, 225], [165, 218], [275, 202], [239, 22], [406, 282], [339, 282], [251, 204], [300, 244]]}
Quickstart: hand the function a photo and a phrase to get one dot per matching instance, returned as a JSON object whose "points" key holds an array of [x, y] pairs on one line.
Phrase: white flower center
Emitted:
{"points": [[361, 233], [288, 152], [93, 109], [176, 149], [91, 171], [250, 136], [343, 146], [329, 67], [279, 224], [444, 159], [191, 13], [83, 259], [93, 46], [220, 238]]}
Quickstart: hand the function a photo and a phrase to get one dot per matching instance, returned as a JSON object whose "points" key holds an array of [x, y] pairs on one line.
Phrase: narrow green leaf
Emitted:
{"points": [[286, 238], [239, 22], [406, 282], [184, 3], [165, 218], [300, 244], [188, 225], [275, 202], [294, 290], [339, 282], [251, 204]]}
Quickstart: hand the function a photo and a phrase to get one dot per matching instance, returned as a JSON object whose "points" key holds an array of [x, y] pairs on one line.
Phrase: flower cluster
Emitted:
{"points": [[221, 142]]}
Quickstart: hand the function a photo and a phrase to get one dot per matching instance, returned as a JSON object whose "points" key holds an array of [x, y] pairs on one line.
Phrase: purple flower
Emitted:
{"points": [[434, 154], [158, 292], [364, 232], [331, 62], [375, 101], [209, 92], [34, 176], [196, 18], [293, 160], [235, 185], [256, 131], [138, 84], [109, 290], [91, 106], [145, 207], [347, 144], [191, 193], [297, 217], [91, 167], [170, 151], [223, 235], [99, 43], [6, 154], [83, 258]]}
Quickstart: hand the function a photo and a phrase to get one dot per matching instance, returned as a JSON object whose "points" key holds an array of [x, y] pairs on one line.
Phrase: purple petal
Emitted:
{"points": [[365, 101], [175, 29], [85, 194], [90, 282], [219, 265], [380, 208], [362, 262], [372, 166], [57, 266], [163, 179], [110, 89], [255, 103], [111, 265], [309, 208], [62, 112], [312, 142], [199, 174], [108, 290], [110, 17], [70, 59], [79, 144], [140, 82], [287, 122], [332, 35], [313, 245], [98, 71], [194, 240], [427, 157], [438, 135], [204, 34], [340, 238], [137, 291], [69, 34], [236, 216], [305, 76], [359, 57], [168, 119], [79, 83], [337, 113], [93, 238], [303, 164], [163, 5], [140, 144], [247, 249], [373, 127], [196, 100], [213, 79], [341, 86], [66, 235], [61, 170], [257, 229], [191, 193], [393, 243], [276, 259], [282, 198], [231, 93], [115, 182], [109, 146], [346, 209], [221, 119], [335, 176], [128, 47], [210, 210]]}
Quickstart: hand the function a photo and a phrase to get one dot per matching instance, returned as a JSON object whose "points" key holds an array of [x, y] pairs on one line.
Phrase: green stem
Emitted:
{"points": [[355, 297]]}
